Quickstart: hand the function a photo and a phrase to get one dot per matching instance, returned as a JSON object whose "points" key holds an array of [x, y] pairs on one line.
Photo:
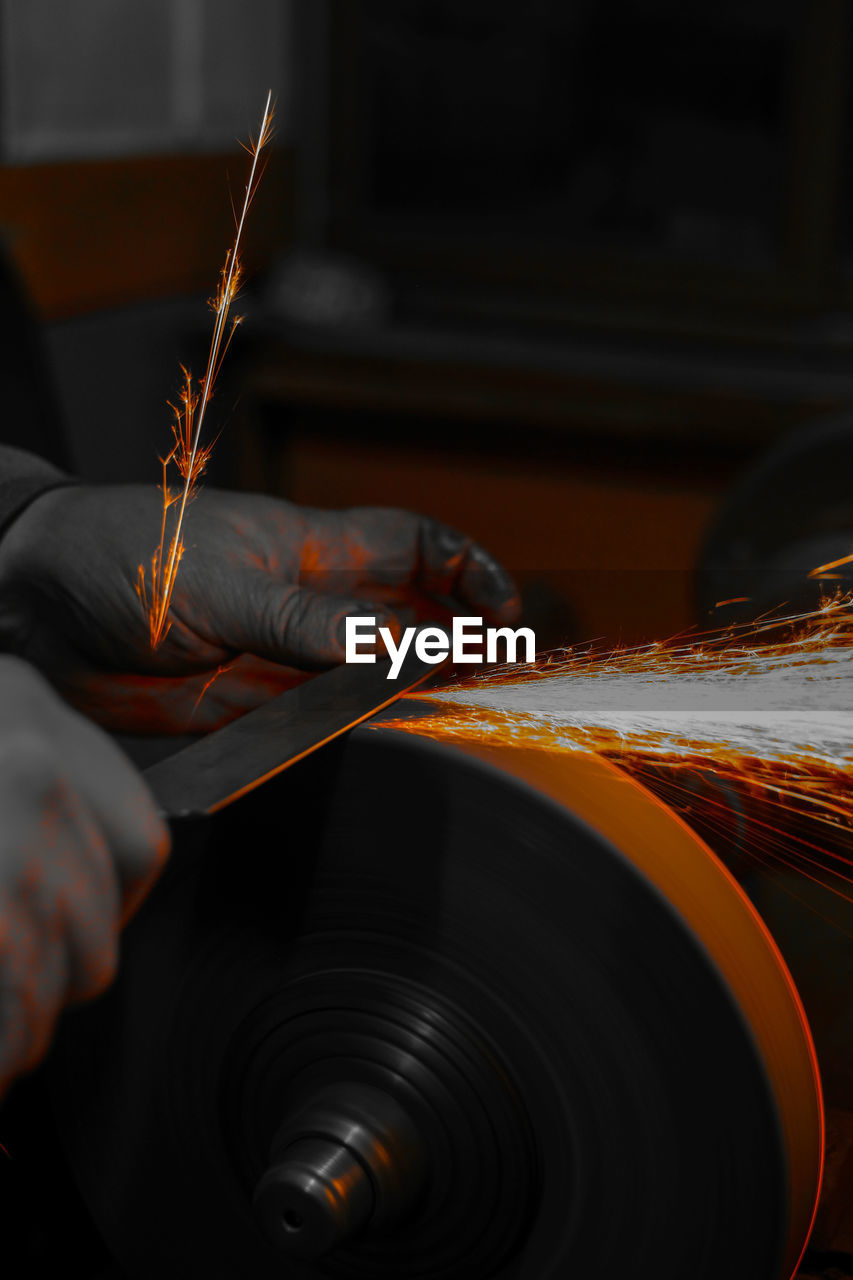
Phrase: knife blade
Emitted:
{"points": [[232, 761]]}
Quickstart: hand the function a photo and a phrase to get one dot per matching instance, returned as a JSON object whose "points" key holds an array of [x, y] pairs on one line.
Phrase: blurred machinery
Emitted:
{"points": [[789, 513]]}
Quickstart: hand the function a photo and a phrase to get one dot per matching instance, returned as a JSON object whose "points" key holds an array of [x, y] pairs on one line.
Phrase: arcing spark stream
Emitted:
{"points": [[766, 709]]}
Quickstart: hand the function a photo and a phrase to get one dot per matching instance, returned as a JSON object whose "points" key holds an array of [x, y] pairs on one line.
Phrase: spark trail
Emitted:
{"points": [[189, 454], [751, 716]]}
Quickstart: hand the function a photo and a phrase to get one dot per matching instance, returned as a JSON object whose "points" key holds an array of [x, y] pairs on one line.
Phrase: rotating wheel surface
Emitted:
{"points": [[446, 1013]]}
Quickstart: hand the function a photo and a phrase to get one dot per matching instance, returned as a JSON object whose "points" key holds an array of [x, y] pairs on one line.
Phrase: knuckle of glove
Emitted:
{"points": [[298, 628], [30, 770], [33, 973]]}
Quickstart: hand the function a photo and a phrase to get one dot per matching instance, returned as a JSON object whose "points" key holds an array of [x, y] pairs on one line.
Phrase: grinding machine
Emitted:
{"points": [[402, 1009], [411, 1010]]}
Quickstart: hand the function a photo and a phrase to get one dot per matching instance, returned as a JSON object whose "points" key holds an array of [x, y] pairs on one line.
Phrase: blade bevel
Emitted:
{"points": [[230, 762]]}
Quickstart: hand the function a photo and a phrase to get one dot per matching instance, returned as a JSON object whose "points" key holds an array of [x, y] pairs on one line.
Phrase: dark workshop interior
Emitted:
{"points": [[566, 323], [558, 273]]}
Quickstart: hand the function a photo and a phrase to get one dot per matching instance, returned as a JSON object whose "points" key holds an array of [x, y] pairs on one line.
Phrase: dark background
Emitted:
{"points": [[552, 272]]}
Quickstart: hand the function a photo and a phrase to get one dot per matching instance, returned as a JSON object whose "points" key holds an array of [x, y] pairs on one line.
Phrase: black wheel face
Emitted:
{"points": [[789, 513], [591, 1101]]}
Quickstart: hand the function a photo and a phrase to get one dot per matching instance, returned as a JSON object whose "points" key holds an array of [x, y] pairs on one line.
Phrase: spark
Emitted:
{"points": [[220, 671], [733, 722], [821, 570], [189, 455]]}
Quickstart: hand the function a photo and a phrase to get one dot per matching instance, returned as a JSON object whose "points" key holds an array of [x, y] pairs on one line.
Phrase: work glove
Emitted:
{"points": [[80, 844], [261, 596]]}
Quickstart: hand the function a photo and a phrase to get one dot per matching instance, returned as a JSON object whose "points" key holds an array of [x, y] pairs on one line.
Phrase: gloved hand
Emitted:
{"points": [[80, 845], [259, 577]]}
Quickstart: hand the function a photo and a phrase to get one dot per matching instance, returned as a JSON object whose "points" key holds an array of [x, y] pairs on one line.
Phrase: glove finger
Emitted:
{"points": [[452, 565], [305, 628], [395, 549], [119, 801]]}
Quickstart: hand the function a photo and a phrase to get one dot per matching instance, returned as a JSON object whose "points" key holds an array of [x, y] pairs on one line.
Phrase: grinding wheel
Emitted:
{"points": [[413, 1010]]}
